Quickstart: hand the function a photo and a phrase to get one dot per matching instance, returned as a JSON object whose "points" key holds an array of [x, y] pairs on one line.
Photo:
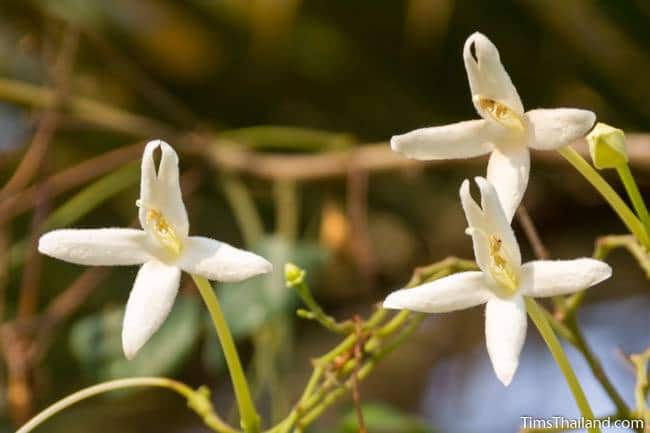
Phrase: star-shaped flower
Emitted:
{"points": [[501, 283], [163, 248], [505, 131]]}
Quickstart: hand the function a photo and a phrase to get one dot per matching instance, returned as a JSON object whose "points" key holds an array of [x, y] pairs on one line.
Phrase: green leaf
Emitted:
{"points": [[381, 418], [96, 342]]}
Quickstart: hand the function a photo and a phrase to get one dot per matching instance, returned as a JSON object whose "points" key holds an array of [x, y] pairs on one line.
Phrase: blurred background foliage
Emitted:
{"points": [[84, 83]]}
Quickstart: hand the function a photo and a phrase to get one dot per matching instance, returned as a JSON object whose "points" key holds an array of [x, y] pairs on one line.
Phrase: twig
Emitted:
{"points": [[66, 179], [87, 110], [356, 394], [532, 234], [243, 206], [334, 372], [357, 200], [641, 362]]}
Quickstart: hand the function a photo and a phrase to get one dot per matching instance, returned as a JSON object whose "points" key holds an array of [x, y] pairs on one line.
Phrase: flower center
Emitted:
{"points": [[500, 268], [501, 113], [161, 229]]}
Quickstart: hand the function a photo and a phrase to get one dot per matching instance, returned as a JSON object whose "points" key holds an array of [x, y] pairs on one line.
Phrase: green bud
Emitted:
{"points": [[293, 275], [607, 146]]}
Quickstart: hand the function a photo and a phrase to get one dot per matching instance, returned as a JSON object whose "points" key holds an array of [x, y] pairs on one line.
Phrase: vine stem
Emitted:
{"points": [[250, 420], [635, 195], [537, 316], [615, 201], [76, 397]]}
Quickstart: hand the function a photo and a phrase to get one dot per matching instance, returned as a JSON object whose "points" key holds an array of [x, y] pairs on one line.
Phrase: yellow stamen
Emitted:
{"points": [[500, 267], [501, 113], [161, 229]]}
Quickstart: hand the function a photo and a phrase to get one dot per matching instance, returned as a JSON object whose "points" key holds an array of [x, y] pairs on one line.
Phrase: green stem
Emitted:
{"points": [[250, 420], [597, 369], [537, 316], [286, 208], [635, 195], [243, 206], [83, 394], [627, 216]]}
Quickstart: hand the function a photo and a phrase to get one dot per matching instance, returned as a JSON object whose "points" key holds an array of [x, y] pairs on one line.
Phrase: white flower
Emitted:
{"points": [[163, 248], [501, 283], [505, 130]]}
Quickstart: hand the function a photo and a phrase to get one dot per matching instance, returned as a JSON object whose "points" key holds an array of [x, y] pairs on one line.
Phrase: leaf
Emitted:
{"points": [[96, 342], [381, 418]]}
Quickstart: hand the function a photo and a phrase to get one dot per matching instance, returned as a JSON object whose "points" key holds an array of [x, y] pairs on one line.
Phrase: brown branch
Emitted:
{"points": [[357, 200], [372, 157], [83, 172], [527, 224], [31, 161]]}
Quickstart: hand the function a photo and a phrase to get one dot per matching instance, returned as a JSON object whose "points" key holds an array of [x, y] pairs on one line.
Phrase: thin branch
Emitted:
{"points": [[527, 224], [371, 157], [83, 172], [85, 109]]}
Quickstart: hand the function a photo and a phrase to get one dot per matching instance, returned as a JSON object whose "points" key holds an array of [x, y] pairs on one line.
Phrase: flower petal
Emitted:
{"points": [[161, 190], [96, 247], [488, 220], [476, 221], [550, 129], [505, 333], [219, 261], [487, 76], [508, 171], [150, 301], [455, 292], [458, 140], [543, 278], [496, 221]]}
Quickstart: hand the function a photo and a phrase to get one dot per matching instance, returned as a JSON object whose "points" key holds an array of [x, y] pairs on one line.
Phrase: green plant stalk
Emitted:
{"points": [[286, 208], [243, 206], [214, 422], [622, 210], [250, 420], [537, 316], [596, 368], [641, 361], [635, 195]]}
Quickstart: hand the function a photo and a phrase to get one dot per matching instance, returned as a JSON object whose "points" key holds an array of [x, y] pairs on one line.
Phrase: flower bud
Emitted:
{"points": [[293, 275], [607, 146]]}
